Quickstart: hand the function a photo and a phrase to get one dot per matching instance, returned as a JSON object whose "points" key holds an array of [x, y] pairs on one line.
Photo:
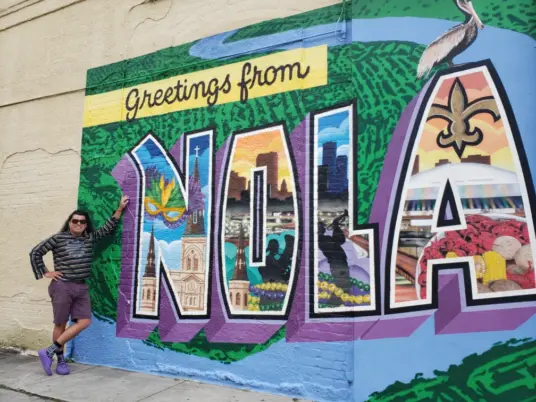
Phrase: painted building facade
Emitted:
{"points": [[336, 205]]}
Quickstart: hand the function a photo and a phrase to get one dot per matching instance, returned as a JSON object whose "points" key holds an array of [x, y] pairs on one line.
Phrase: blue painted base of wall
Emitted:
{"points": [[327, 370]]}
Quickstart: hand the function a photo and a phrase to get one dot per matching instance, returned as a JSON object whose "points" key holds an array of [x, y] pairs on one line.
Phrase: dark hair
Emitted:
{"points": [[89, 226]]}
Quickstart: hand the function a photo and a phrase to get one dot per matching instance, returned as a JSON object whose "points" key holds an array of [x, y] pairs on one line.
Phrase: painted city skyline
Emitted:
{"points": [[332, 153], [257, 151]]}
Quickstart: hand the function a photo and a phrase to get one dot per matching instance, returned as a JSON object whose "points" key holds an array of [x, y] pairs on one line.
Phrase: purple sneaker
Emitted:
{"points": [[62, 368], [46, 361]]}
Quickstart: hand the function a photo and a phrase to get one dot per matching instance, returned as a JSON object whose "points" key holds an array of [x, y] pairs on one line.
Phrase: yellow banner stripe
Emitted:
{"points": [[268, 75]]}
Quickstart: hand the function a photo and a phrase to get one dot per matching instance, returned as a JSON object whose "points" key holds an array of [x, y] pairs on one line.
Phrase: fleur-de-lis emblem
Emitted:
{"points": [[458, 113]]}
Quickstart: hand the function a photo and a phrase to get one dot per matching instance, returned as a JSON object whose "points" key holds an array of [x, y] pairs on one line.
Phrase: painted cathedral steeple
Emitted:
{"points": [[240, 271], [150, 266], [190, 281], [239, 283], [148, 281], [195, 224]]}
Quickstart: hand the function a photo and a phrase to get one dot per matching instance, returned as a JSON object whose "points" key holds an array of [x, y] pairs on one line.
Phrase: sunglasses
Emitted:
{"points": [[77, 221]]}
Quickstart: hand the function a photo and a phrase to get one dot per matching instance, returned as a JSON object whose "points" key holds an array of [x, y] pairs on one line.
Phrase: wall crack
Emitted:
{"points": [[38, 149], [149, 18]]}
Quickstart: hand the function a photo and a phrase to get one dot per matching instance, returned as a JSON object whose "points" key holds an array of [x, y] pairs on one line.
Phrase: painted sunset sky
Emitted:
{"points": [[494, 144], [247, 149]]}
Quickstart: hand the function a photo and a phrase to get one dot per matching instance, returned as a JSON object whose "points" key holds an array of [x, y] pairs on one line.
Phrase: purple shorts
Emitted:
{"points": [[69, 299]]}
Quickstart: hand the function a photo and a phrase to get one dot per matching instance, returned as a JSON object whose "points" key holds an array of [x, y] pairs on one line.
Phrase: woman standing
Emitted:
{"points": [[72, 248]]}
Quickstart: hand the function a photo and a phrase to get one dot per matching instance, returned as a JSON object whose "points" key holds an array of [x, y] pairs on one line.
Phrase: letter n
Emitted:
{"points": [[165, 268]]}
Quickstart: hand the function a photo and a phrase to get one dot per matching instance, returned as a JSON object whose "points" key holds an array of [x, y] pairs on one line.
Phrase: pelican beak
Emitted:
{"points": [[472, 10]]}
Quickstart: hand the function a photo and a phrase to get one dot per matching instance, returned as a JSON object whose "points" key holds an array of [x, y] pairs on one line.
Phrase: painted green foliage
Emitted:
{"points": [[506, 372], [380, 75], [224, 353]]}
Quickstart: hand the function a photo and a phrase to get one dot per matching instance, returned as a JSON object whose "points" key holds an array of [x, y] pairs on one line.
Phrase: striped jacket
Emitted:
{"points": [[73, 255]]}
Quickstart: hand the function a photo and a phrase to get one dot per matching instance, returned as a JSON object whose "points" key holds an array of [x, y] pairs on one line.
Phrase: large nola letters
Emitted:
{"points": [[263, 232]]}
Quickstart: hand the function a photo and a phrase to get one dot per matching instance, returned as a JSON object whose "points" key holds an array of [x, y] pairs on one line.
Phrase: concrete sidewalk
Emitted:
{"points": [[22, 379]]}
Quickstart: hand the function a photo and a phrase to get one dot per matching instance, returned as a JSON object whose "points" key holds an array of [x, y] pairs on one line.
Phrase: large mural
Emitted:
{"points": [[349, 185]]}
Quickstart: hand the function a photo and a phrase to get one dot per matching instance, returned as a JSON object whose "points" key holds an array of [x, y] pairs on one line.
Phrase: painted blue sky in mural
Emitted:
{"points": [[333, 128], [150, 154]]}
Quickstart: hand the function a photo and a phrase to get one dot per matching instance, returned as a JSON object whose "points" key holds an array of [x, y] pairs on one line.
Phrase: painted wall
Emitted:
{"points": [[318, 208], [46, 48]]}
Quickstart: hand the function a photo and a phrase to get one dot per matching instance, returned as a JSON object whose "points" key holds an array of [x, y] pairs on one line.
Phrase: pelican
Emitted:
{"points": [[453, 42]]}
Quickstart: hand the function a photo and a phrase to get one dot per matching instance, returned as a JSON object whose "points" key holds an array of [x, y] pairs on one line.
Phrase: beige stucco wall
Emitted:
{"points": [[46, 47]]}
